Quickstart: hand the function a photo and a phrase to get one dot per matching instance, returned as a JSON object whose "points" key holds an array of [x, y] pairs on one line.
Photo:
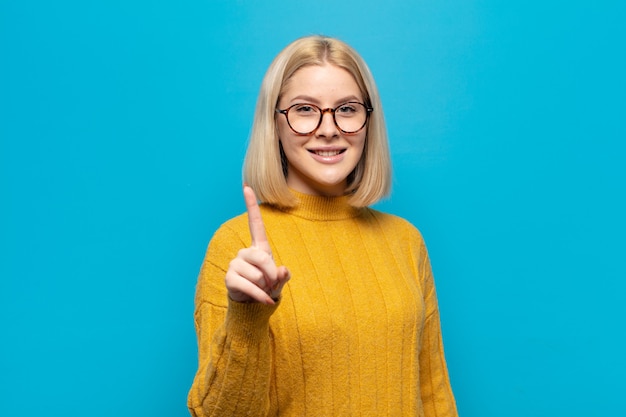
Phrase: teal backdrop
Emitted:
{"points": [[123, 125]]}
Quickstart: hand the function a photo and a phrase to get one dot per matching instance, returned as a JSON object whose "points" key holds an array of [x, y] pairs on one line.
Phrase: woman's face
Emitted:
{"points": [[320, 162]]}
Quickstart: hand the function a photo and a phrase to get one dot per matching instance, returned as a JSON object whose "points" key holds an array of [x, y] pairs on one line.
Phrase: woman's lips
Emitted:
{"points": [[327, 155]]}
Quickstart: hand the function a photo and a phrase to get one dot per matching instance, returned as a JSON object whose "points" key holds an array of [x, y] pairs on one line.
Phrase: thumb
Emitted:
{"points": [[282, 277]]}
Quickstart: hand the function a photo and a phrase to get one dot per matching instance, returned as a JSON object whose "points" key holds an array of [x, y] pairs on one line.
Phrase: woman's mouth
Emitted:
{"points": [[327, 153], [328, 156]]}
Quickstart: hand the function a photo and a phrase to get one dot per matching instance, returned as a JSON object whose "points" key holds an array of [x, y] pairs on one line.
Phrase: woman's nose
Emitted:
{"points": [[328, 128]]}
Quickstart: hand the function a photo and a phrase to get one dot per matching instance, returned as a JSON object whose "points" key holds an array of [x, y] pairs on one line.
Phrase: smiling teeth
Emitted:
{"points": [[327, 153]]}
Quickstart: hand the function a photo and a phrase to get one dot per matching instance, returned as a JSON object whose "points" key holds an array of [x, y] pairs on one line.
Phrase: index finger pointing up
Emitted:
{"points": [[255, 221]]}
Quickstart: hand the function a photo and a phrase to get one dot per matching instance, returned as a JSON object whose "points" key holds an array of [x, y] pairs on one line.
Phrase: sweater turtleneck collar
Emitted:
{"points": [[319, 208]]}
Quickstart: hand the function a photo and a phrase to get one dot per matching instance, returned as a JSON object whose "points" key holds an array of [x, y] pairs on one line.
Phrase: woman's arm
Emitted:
{"points": [[437, 397], [233, 341], [436, 392], [237, 293]]}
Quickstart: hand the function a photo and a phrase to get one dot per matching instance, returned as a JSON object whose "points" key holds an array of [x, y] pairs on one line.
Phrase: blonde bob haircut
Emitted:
{"points": [[265, 165]]}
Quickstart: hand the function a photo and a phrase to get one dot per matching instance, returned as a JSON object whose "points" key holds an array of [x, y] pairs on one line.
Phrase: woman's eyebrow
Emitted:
{"points": [[312, 100]]}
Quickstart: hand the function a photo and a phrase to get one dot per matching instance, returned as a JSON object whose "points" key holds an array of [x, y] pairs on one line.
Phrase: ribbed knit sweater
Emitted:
{"points": [[355, 333]]}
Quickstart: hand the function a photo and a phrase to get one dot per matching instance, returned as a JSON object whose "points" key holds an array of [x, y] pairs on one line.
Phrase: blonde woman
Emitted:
{"points": [[311, 303]]}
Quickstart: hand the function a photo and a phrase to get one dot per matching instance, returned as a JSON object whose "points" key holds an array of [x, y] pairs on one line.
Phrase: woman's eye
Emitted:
{"points": [[304, 109], [346, 109]]}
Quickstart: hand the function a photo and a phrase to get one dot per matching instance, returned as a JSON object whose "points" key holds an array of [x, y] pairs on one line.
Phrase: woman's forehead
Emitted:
{"points": [[321, 81]]}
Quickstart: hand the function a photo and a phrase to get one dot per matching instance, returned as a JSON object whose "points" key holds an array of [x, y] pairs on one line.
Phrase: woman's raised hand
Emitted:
{"points": [[253, 274]]}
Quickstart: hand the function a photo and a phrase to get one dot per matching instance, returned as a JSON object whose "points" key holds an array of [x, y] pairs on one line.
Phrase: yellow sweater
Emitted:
{"points": [[356, 332]]}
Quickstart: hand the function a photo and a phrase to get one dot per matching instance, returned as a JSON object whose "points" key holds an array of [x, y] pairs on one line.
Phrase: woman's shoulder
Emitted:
{"points": [[394, 223], [233, 231], [239, 223], [389, 218], [234, 226]]}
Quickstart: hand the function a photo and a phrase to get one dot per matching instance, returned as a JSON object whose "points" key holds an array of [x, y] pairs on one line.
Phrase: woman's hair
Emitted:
{"points": [[265, 165]]}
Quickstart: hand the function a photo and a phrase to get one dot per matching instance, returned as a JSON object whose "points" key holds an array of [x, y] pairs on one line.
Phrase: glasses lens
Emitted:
{"points": [[303, 118], [351, 116]]}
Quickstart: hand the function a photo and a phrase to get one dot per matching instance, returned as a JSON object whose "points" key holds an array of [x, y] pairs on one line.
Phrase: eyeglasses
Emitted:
{"points": [[306, 118]]}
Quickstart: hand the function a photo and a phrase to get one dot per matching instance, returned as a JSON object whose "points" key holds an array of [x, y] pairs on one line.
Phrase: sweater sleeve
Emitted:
{"points": [[437, 397], [234, 349]]}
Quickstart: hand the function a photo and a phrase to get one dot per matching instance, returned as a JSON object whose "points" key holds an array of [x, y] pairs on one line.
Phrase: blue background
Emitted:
{"points": [[122, 130]]}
